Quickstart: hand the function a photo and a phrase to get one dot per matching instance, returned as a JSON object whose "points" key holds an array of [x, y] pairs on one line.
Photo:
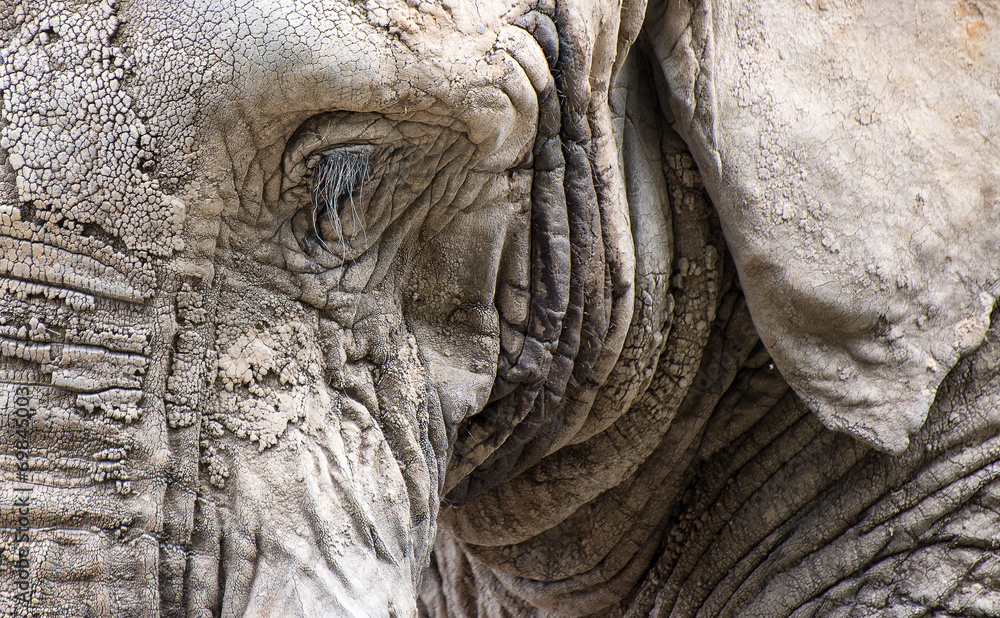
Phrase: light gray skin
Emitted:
{"points": [[510, 367]]}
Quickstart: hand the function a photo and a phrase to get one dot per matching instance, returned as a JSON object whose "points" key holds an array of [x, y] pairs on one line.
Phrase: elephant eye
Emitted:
{"points": [[335, 218]]}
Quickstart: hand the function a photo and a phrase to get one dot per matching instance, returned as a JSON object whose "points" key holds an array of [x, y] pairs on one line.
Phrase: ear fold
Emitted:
{"points": [[532, 535], [847, 155], [561, 336]]}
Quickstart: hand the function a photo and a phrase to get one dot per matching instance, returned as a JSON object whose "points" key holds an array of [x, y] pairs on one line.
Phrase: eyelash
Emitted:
{"points": [[332, 193], [338, 175]]}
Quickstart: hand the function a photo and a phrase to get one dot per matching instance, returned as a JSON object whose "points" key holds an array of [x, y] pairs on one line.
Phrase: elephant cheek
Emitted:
{"points": [[336, 513], [327, 519]]}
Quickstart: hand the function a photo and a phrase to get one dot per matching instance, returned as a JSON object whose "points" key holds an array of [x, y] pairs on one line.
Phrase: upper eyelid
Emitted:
{"points": [[367, 151], [338, 172]]}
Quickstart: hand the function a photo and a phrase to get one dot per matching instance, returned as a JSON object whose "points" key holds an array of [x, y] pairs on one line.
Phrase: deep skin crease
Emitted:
{"points": [[459, 309]]}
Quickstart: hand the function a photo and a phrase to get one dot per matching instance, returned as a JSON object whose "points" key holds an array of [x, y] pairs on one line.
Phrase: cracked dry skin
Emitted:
{"points": [[323, 308]]}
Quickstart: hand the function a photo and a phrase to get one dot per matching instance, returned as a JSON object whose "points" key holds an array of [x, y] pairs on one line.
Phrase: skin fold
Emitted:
{"points": [[498, 308]]}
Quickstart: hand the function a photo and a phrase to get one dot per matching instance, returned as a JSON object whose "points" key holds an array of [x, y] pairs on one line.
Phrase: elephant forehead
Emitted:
{"points": [[277, 63], [857, 148]]}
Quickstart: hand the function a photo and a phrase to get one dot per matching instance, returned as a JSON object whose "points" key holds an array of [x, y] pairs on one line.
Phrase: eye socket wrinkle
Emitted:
{"points": [[338, 175]]}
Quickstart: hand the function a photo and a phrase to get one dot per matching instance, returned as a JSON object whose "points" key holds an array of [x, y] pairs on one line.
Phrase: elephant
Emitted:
{"points": [[528, 308]]}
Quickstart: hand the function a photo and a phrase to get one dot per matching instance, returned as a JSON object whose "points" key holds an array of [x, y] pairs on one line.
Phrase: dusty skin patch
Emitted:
{"points": [[267, 377], [972, 28]]}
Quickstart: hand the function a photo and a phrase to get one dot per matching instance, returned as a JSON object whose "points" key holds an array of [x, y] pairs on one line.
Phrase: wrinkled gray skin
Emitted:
{"points": [[327, 308]]}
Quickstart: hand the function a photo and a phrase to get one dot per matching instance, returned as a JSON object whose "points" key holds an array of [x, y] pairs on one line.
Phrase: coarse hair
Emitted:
{"points": [[339, 175]]}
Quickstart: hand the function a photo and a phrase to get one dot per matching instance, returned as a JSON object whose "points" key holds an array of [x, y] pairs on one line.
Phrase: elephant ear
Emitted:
{"points": [[849, 155]]}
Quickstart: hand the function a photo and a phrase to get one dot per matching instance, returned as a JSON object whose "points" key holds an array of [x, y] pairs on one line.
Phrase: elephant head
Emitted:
{"points": [[287, 287], [259, 266]]}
